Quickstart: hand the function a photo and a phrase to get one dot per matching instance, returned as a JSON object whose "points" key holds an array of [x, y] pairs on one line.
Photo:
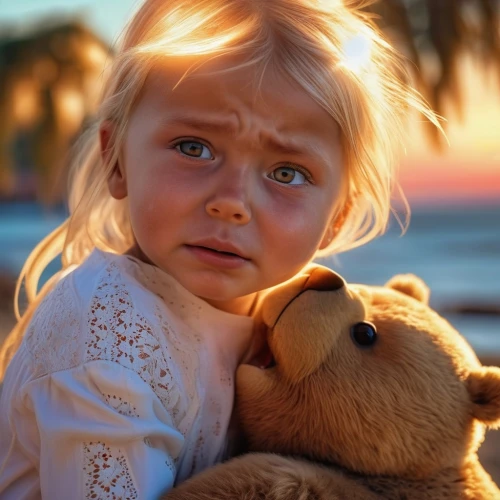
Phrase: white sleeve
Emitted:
{"points": [[103, 433]]}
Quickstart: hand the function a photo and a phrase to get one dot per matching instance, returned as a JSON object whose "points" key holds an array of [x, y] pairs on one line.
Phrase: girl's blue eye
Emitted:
{"points": [[194, 150], [288, 175]]}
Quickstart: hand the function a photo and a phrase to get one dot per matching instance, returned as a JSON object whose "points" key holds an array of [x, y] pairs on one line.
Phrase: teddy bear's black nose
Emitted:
{"points": [[323, 279]]}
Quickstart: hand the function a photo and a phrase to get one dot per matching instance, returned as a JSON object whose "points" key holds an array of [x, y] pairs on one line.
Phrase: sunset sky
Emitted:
{"points": [[468, 170], [470, 167]]}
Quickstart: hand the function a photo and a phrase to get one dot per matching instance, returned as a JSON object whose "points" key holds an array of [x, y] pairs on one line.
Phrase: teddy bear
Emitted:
{"points": [[370, 394]]}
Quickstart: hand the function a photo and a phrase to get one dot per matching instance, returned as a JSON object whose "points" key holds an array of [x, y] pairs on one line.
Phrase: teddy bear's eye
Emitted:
{"points": [[364, 334]]}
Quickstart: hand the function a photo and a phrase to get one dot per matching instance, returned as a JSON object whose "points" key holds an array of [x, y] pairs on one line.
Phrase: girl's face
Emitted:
{"points": [[228, 193]]}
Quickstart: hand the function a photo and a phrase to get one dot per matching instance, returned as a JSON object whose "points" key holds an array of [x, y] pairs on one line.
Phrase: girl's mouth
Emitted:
{"points": [[219, 246], [221, 251], [216, 258]]}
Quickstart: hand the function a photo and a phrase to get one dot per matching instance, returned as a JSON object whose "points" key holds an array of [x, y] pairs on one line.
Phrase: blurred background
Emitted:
{"points": [[52, 55]]}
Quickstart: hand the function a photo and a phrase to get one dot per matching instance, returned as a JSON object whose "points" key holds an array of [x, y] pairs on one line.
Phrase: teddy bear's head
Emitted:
{"points": [[369, 378]]}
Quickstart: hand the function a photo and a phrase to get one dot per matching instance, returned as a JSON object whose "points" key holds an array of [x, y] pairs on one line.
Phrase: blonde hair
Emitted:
{"points": [[327, 47]]}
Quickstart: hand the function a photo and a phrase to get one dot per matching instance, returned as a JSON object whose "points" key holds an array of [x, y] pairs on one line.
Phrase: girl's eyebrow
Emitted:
{"points": [[225, 127]]}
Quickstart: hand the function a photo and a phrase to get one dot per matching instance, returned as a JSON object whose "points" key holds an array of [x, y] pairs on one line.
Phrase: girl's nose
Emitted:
{"points": [[230, 204]]}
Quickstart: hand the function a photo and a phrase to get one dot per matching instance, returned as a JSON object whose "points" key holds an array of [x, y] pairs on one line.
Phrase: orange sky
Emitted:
{"points": [[470, 167]]}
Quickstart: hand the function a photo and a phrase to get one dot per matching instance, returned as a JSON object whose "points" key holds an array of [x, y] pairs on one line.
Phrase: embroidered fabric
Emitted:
{"points": [[118, 332], [107, 473], [114, 311], [120, 405]]}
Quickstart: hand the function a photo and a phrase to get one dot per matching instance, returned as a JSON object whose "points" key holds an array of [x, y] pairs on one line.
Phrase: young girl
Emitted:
{"points": [[235, 142]]}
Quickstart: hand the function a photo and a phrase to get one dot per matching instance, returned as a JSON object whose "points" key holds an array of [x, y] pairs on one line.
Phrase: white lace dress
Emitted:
{"points": [[123, 385]]}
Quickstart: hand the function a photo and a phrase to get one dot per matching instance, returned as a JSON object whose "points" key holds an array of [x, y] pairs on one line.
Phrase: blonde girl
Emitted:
{"points": [[236, 140]]}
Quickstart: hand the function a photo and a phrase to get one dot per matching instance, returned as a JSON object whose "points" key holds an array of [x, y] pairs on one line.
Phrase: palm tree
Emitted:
{"points": [[439, 33], [47, 87]]}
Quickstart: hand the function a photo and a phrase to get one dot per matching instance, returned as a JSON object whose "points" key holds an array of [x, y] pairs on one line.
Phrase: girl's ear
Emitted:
{"points": [[117, 183], [484, 391]]}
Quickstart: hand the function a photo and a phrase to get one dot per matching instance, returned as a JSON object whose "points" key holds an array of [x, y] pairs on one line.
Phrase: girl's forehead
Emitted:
{"points": [[238, 95]]}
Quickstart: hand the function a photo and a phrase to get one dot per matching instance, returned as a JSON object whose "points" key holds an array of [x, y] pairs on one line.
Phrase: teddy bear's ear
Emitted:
{"points": [[484, 390], [411, 285]]}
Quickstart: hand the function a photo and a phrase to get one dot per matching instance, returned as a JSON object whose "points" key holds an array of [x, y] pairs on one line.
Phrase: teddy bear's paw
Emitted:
{"points": [[265, 476], [256, 476]]}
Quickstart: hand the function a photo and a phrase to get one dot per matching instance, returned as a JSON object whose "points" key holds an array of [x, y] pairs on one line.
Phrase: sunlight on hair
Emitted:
{"points": [[175, 39], [329, 4], [357, 53], [188, 48]]}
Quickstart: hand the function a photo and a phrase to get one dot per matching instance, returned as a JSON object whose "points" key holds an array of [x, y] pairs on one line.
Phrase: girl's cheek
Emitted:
{"points": [[299, 210]]}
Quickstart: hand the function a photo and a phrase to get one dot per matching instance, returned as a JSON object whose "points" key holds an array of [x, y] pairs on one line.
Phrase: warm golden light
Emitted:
{"points": [[95, 55], [70, 107], [180, 42], [470, 166], [357, 53], [26, 103]]}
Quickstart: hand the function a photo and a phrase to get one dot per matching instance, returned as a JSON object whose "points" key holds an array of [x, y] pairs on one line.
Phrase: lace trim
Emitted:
{"points": [[118, 332], [107, 473], [120, 405]]}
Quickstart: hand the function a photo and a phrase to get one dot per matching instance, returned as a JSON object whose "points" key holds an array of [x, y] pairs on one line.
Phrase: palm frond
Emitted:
{"points": [[435, 35]]}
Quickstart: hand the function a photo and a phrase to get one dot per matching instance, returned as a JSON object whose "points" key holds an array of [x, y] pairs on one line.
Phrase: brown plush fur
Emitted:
{"points": [[400, 419]]}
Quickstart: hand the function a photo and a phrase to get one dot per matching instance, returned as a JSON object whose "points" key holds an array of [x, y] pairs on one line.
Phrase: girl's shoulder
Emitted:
{"points": [[98, 312]]}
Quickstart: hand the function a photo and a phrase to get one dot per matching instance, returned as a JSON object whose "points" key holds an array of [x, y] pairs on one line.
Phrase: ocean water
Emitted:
{"points": [[455, 250]]}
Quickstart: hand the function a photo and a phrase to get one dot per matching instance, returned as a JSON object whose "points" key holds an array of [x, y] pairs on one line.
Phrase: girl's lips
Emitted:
{"points": [[215, 258]]}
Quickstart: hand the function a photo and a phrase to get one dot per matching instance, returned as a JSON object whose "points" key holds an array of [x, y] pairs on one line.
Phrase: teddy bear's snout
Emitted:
{"points": [[323, 279]]}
